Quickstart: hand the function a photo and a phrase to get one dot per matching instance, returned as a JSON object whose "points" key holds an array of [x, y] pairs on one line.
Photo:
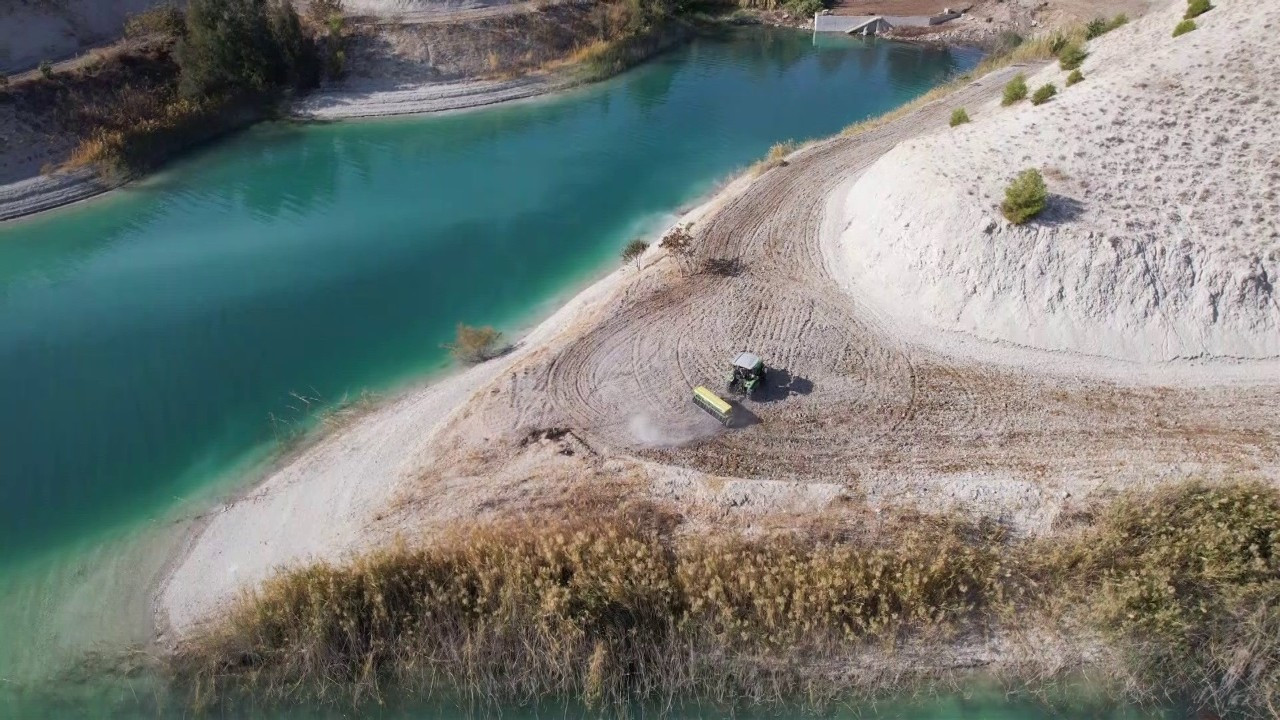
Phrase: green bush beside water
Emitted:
{"points": [[959, 117]]}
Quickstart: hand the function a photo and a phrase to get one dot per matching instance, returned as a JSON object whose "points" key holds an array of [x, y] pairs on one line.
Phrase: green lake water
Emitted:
{"points": [[156, 343]]}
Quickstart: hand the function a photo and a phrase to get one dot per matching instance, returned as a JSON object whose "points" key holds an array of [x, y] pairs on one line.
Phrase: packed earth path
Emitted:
{"points": [[594, 405]]}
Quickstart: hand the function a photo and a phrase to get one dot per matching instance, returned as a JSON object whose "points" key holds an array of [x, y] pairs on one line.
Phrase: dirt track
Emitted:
{"points": [[849, 402]]}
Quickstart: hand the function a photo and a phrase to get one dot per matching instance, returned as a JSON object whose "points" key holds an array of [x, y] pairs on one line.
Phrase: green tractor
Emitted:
{"points": [[746, 374]]}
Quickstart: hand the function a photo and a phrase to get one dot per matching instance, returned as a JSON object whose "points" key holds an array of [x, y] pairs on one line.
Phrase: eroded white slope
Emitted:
{"points": [[1162, 239]]}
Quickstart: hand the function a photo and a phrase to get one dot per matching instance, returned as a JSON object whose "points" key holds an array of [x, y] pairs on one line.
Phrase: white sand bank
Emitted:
{"points": [[1162, 237], [46, 192], [376, 99]]}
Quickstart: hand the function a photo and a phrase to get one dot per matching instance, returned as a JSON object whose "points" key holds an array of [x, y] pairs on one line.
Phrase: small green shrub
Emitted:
{"points": [[1043, 93], [1075, 77], [804, 8], [634, 250], [1057, 43], [1025, 197], [959, 117], [1071, 56], [1015, 90], [1196, 8], [1118, 21], [46, 69], [1184, 27]]}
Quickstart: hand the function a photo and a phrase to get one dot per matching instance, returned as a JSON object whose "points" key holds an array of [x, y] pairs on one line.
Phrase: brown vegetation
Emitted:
{"points": [[777, 157], [1182, 584], [475, 344]]}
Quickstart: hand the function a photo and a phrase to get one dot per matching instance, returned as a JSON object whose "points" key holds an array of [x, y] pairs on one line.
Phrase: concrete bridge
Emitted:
{"points": [[876, 24]]}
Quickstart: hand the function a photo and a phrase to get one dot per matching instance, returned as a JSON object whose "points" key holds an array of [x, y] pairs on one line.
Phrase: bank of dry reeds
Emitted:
{"points": [[1183, 586], [604, 611]]}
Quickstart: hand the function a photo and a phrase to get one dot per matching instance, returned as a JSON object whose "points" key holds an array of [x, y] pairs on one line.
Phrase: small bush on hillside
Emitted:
{"points": [[634, 250], [804, 8], [1015, 90], [46, 69], [475, 344], [165, 20], [1101, 26], [1057, 43], [959, 117], [1025, 197], [1043, 93], [1075, 77], [1184, 27], [1071, 56], [1196, 8]]}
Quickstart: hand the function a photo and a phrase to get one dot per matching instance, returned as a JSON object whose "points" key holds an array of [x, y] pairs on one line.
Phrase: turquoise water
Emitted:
{"points": [[165, 337]]}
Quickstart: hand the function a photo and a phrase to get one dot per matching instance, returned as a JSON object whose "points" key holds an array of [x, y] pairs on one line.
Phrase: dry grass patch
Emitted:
{"points": [[777, 157], [474, 344]]}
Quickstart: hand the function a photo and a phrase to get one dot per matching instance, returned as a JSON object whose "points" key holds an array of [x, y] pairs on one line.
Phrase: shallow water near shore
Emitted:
{"points": [[157, 343]]}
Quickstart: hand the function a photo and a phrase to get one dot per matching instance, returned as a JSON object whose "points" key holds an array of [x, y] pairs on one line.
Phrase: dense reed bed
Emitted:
{"points": [[1182, 587]]}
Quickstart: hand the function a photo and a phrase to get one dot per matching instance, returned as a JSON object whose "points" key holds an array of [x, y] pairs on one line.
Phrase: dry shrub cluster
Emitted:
{"points": [[777, 157], [473, 344], [137, 127], [606, 612], [1187, 584], [1184, 585]]}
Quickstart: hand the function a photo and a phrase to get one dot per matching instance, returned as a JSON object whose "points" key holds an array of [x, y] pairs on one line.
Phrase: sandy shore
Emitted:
{"points": [[374, 98], [46, 192]]}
